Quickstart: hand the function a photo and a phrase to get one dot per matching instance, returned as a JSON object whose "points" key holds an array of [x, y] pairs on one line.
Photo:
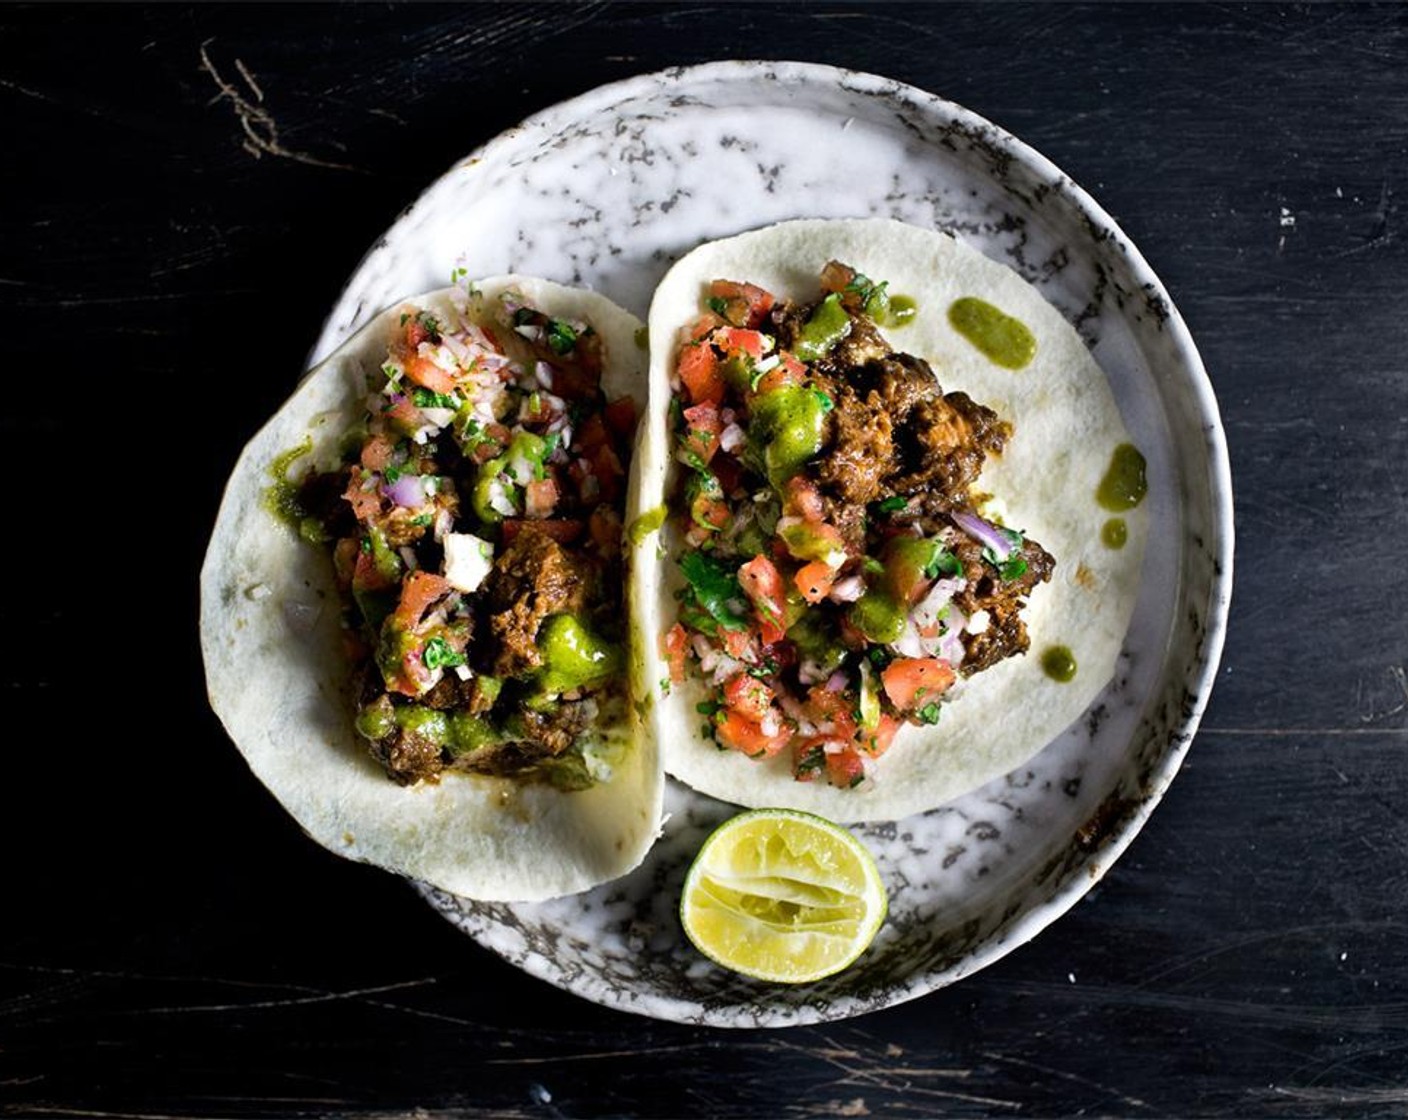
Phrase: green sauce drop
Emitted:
{"points": [[1003, 340], [1124, 484], [645, 524], [1059, 663], [1114, 533], [281, 499], [903, 309]]}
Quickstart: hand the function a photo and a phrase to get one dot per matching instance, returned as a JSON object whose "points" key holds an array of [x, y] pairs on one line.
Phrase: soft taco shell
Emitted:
{"points": [[1066, 426], [279, 681]]}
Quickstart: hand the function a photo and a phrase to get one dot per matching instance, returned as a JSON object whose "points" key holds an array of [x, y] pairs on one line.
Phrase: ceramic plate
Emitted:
{"points": [[606, 191]]}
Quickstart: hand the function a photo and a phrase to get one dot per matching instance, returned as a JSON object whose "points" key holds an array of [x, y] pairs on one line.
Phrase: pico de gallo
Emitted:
{"points": [[838, 578], [475, 527]]}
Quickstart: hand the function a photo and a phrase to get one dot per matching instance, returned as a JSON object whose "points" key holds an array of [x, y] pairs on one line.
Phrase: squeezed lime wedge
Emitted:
{"points": [[782, 895]]}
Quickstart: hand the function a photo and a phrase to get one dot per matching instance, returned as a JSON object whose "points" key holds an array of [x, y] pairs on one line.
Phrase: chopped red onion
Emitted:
{"points": [[847, 590], [837, 681], [984, 533], [408, 491]]}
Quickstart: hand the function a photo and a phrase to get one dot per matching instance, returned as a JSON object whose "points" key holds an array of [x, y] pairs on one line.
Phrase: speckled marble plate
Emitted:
{"points": [[607, 190]]}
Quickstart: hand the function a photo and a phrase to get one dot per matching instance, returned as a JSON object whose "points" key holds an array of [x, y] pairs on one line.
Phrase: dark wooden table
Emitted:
{"points": [[185, 190]]}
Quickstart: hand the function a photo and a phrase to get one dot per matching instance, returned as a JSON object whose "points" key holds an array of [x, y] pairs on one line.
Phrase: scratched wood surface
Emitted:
{"points": [[185, 189]]}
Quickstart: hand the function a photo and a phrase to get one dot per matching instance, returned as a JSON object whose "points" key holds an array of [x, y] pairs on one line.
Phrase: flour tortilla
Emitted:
{"points": [[1066, 427], [279, 681]]}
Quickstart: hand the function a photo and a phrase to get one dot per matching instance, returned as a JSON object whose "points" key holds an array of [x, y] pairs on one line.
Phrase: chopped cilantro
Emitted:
{"points": [[718, 305], [422, 519], [562, 338], [1015, 564], [430, 323], [550, 442], [458, 274], [405, 318], [813, 760], [425, 398], [827, 404], [439, 655], [715, 589], [392, 474], [1014, 567], [929, 713], [707, 707], [944, 563], [893, 504]]}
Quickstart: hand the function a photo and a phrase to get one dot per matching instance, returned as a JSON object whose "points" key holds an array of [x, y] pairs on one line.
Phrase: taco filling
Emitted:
{"points": [[475, 527], [838, 577]]}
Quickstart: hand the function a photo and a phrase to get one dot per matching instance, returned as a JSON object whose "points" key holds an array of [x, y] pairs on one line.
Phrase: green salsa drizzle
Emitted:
{"points": [[903, 309], [1003, 340], [1114, 533], [1124, 484], [1059, 663], [645, 524]]}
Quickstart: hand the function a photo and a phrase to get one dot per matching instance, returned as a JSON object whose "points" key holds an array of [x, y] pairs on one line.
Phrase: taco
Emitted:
{"points": [[871, 469], [412, 605]]}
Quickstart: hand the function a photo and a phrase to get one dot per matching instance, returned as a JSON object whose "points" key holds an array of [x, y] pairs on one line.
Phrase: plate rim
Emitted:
{"points": [[1201, 670]]}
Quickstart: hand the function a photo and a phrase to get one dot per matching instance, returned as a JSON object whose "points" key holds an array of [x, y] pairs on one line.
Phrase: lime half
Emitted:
{"points": [[781, 895]]}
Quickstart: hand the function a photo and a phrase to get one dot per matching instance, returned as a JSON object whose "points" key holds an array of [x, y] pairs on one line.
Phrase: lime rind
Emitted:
{"points": [[782, 895]]}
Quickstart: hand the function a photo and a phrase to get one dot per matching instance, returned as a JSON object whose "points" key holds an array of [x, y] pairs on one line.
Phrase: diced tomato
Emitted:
{"points": [[814, 581], [700, 373], [746, 735], [621, 416], [911, 681], [703, 326], [748, 696], [809, 759], [404, 416], [835, 708], [845, 768], [710, 513], [745, 305], [733, 340], [788, 371], [877, 742], [376, 453], [762, 583], [415, 333], [563, 530], [801, 498], [702, 428], [366, 576], [426, 373], [740, 645], [676, 646], [419, 593], [363, 494], [539, 497]]}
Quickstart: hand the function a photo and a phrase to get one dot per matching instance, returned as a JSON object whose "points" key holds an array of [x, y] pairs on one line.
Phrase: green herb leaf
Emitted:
{"points": [[944, 563], [827, 404], [439, 655], [425, 398], [893, 504], [718, 305], [562, 337], [392, 473], [929, 713], [714, 587]]}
